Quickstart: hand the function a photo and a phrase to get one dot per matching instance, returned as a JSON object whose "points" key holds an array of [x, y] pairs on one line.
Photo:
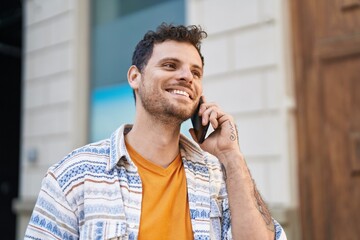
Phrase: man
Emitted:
{"points": [[148, 181]]}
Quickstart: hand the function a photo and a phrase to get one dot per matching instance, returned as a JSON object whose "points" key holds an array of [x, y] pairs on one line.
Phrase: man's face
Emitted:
{"points": [[171, 85]]}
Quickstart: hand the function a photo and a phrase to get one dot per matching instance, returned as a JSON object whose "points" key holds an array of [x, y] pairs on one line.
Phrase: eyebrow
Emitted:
{"points": [[178, 61]]}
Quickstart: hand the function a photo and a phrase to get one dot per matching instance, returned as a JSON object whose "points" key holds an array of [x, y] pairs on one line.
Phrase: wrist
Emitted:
{"points": [[234, 164], [236, 174], [230, 158]]}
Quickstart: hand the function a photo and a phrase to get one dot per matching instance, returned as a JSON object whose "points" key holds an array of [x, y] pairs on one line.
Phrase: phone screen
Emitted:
{"points": [[200, 130]]}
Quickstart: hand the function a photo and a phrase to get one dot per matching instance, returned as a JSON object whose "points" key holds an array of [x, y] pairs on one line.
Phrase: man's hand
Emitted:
{"points": [[224, 139]]}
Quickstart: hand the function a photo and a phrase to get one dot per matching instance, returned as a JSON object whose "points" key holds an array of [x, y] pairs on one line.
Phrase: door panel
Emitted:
{"points": [[326, 44], [340, 114]]}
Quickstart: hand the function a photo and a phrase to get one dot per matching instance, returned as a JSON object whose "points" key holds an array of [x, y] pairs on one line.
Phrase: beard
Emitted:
{"points": [[161, 108]]}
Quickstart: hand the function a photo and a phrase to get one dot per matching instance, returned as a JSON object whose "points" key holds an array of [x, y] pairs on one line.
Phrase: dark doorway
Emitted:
{"points": [[11, 18]]}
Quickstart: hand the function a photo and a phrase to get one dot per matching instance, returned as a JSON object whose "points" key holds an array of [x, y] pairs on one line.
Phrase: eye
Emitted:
{"points": [[169, 65], [196, 74]]}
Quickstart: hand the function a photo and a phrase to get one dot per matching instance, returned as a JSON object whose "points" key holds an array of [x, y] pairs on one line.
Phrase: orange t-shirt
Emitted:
{"points": [[165, 210]]}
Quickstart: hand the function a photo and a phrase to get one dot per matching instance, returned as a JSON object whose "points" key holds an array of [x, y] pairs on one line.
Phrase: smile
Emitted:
{"points": [[179, 92]]}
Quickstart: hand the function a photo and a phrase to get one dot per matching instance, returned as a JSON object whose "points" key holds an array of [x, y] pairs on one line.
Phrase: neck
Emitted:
{"points": [[155, 140]]}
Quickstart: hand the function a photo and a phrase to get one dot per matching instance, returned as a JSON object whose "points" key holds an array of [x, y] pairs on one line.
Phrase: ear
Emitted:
{"points": [[134, 77]]}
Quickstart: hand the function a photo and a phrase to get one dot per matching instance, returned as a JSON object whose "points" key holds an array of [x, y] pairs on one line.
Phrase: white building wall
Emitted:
{"points": [[55, 88], [248, 73]]}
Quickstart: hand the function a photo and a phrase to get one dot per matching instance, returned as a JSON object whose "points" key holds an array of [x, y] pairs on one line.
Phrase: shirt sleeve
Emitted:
{"points": [[279, 231], [52, 216]]}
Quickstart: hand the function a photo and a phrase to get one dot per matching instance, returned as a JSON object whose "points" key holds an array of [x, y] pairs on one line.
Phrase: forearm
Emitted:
{"points": [[250, 218]]}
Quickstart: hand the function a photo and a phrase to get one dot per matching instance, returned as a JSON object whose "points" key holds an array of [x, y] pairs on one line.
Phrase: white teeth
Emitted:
{"points": [[180, 92]]}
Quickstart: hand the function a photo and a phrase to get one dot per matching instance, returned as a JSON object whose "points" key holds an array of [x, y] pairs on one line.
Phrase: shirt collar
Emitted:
{"points": [[117, 146], [188, 148]]}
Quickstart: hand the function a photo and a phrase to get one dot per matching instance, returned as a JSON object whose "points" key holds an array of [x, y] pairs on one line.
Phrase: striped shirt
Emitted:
{"points": [[95, 192]]}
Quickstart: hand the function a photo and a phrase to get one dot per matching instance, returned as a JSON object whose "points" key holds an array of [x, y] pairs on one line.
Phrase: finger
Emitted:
{"points": [[205, 106], [222, 117], [206, 115], [211, 107], [203, 98], [210, 112], [202, 109], [213, 118]]}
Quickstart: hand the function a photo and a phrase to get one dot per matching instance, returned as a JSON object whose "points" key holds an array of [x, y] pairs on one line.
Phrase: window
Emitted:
{"points": [[117, 25]]}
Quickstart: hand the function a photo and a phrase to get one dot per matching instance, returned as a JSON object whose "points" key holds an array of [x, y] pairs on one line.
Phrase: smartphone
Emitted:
{"points": [[200, 130]]}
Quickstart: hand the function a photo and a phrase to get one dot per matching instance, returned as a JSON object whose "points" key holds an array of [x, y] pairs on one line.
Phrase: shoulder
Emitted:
{"points": [[89, 159]]}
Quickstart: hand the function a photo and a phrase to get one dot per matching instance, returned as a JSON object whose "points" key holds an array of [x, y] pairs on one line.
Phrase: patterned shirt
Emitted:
{"points": [[95, 192]]}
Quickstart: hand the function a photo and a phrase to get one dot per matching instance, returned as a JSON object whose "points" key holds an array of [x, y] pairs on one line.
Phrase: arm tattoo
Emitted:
{"points": [[261, 206], [237, 134], [233, 132]]}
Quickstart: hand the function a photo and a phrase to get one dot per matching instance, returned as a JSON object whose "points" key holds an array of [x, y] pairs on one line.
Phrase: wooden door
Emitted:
{"points": [[326, 43]]}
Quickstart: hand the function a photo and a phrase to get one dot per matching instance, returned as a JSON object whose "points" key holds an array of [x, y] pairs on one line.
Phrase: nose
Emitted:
{"points": [[186, 75]]}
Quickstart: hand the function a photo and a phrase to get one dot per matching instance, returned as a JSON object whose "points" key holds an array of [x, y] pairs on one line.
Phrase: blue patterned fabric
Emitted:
{"points": [[95, 193]]}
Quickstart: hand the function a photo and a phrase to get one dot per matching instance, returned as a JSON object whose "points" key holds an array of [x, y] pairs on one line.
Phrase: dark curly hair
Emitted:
{"points": [[191, 34]]}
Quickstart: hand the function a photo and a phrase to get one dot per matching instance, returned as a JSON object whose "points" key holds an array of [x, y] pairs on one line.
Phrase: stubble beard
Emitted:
{"points": [[161, 109]]}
